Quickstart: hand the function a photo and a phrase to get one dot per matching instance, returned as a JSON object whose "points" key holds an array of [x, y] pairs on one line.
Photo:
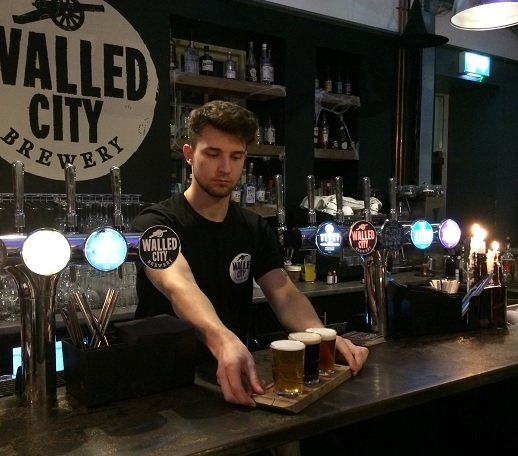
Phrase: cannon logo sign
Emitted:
{"points": [[77, 85]]}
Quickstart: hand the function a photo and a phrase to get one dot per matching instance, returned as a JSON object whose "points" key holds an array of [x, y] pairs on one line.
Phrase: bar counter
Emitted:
{"points": [[398, 375]]}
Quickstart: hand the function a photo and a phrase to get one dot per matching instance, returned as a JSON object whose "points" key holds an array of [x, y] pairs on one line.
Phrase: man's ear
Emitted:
{"points": [[187, 153]]}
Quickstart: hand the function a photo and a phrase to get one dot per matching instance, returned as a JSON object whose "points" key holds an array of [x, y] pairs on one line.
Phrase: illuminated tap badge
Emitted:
{"points": [[362, 237], [159, 247], [421, 234], [449, 233], [328, 238]]}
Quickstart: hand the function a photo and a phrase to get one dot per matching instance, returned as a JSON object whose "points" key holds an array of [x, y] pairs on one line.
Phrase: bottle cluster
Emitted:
{"points": [[326, 136], [252, 191], [258, 69], [338, 84]]}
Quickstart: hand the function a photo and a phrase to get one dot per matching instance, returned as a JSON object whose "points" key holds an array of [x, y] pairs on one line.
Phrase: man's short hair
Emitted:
{"points": [[225, 116]]}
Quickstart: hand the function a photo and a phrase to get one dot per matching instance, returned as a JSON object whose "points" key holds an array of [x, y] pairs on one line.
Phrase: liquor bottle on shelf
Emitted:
{"points": [[271, 197], [323, 132], [347, 89], [272, 68], [339, 86], [269, 133], [260, 193], [251, 64], [508, 263], [236, 192], [265, 65], [230, 67], [250, 187], [315, 132], [328, 83], [259, 135], [242, 185], [207, 62], [191, 58], [341, 137]]}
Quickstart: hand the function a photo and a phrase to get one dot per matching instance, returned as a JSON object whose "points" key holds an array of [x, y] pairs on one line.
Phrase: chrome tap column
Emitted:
{"points": [[36, 261], [374, 276]]}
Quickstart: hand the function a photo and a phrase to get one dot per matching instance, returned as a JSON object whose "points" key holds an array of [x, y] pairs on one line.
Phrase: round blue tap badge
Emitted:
{"points": [[159, 247], [105, 249], [421, 234]]}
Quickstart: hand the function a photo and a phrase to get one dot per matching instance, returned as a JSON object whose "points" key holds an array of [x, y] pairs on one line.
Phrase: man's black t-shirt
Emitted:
{"points": [[223, 256]]}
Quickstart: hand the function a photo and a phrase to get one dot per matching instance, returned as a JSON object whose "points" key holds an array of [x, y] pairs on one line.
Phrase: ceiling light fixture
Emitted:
{"points": [[484, 14]]}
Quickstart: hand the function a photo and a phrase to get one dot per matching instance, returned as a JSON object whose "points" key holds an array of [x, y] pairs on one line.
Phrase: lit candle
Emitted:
{"points": [[490, 261], [477, 243]]}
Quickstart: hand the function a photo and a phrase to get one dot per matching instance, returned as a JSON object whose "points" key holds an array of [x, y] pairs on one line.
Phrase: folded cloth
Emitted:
{"points": [[328, 205]]}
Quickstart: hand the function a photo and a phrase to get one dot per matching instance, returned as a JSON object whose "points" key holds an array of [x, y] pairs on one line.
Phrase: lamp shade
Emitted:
{"points": [[484, 14], [415, 34]]}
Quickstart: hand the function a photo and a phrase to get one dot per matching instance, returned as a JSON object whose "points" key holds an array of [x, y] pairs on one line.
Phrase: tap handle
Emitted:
{"points": [[392, 199], [70, 185], [339, 191], [18, 190], [281, 216], [117, 198], [312, 216], [367, 198]]}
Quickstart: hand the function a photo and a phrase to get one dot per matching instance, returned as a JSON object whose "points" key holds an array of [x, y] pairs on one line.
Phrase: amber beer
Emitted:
{"points": [[327, 349], [311, 355], [288, 367]]}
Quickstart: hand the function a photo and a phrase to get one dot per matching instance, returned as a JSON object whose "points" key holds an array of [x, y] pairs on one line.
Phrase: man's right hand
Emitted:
{"points": [[237, 374]]}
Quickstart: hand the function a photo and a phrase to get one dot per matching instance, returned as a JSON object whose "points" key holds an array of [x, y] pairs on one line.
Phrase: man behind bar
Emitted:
{"points": [[223, 247]]}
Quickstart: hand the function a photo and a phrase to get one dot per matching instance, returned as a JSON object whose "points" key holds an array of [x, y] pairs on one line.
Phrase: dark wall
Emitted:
{"points": [[296, 41], [482, 154]]}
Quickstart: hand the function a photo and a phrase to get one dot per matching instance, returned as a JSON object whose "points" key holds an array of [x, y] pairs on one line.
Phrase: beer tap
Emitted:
{"points": [[310, 186], [374, 275], [19, 214], [36, 261], [118, 220], [287, 251], [70, 189]]}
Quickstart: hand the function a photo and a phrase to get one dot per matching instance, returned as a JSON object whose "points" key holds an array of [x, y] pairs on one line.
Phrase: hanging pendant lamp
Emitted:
{"points": [[484, 14], [415, 35]]}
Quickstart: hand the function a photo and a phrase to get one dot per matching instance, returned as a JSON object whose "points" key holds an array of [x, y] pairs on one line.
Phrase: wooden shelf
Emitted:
{"points": [[263, 150], [336, 100], [266, 210], [259, 150], [225, 87], [336, 154]]}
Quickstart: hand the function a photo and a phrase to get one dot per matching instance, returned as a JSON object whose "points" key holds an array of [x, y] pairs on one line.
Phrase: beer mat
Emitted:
{"points": [[364, 339], [311, 393]]}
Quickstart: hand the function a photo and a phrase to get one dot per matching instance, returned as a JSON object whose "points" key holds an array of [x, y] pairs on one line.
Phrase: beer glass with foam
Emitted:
{"points": [[327, 349], [311, 355], [288, 367]]}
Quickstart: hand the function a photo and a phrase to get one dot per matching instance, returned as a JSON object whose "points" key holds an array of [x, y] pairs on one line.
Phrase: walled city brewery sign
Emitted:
{"points": [[77, 85]]}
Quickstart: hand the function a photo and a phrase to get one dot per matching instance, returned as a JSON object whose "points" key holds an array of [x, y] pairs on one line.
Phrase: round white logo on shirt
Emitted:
{"points": [[239, 269]]}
